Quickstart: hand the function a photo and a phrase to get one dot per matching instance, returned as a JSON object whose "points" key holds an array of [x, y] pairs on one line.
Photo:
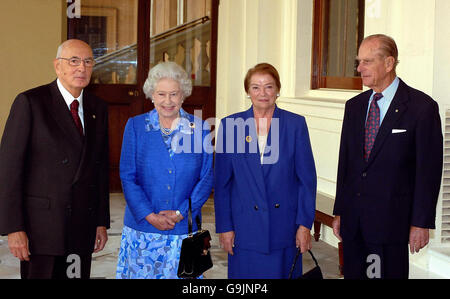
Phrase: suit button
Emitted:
{"points": [[277, 206], [256, 208], [364, 174], [65, 161]]}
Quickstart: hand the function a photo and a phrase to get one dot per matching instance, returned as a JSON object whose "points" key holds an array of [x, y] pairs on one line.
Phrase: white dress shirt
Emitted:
{"points": [[386, 100], [69, 98]]}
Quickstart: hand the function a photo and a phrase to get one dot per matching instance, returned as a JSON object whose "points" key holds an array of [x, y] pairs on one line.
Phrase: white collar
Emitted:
{"points": [[68, 97]]}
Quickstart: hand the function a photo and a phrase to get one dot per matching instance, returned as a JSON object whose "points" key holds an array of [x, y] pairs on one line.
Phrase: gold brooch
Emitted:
{"points": [[248, 139]]}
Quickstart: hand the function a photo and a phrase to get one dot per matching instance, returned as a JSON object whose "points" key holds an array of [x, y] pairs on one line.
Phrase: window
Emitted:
{"points": [[337, 33]]}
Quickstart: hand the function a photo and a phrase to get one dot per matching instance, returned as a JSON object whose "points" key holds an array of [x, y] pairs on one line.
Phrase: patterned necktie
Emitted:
{"points": [[75, 116], [372, 125]]}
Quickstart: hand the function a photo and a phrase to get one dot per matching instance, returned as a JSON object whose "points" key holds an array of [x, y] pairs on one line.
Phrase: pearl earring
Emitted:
{"points": [[278, 94]]}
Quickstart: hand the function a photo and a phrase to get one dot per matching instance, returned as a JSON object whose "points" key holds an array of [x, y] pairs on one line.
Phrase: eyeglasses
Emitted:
{"points": [[76, 61]]}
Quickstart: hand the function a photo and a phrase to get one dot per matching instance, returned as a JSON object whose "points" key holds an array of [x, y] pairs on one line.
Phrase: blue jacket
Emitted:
{"points": [[264, 204], [152, 181]]}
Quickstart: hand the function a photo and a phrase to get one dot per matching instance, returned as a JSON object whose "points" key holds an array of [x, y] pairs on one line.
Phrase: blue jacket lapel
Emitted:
{"points": [[270, 142], [251, 157]]}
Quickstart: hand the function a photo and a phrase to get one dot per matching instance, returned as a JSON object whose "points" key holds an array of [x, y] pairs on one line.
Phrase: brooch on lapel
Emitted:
{"points": [[186, 127]]}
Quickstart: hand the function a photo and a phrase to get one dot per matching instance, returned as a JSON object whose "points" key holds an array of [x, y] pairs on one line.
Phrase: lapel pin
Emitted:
{"points": [[192, 125], [396, 110], [93, 116], [248, 139]]}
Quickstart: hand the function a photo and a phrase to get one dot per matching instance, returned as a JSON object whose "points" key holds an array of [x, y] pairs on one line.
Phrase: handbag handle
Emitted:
{"points": [[197, 219], [296, 258]]}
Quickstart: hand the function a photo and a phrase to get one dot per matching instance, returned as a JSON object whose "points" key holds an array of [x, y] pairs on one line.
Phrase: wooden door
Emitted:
{"points": [[128, 37]]}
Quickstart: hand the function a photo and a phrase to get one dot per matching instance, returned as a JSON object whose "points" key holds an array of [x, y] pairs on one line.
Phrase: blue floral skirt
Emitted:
{"points": [[148, 255]]}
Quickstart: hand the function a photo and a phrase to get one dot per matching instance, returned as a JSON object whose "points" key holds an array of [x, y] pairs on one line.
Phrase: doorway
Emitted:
{"points": [[128, 37]]}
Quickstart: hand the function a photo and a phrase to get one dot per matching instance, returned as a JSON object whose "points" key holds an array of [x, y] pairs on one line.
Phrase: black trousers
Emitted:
{"points": [[56, 267], [363, 260]]}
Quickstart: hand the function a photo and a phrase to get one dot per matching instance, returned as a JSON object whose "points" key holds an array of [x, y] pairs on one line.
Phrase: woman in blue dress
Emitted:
{"points": [[161, 167], [265, 184]]}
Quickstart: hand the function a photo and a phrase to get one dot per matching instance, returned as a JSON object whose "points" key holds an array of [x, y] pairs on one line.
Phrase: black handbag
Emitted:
{"points": [[314, 273], [195, 257]]}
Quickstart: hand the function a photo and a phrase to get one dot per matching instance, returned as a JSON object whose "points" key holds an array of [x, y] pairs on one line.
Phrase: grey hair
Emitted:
{"points": [[387, 46], [60, 48], [169, 70], [68, 43]]}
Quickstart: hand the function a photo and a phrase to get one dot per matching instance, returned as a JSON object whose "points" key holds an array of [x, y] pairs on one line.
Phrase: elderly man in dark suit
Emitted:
{"points": [[54, 197], [390, 167]]}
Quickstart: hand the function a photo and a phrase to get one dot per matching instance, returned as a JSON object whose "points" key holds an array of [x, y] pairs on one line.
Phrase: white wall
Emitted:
{"points": [[441, 63], [249, 33]]}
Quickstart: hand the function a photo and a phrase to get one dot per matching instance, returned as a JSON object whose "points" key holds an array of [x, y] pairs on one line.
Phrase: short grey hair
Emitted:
{"points": [[169, 70], [387, 48], [68, 43], [60, 48]]}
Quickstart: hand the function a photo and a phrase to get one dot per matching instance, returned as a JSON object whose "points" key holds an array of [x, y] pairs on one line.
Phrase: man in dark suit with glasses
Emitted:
{"points": [[54, 194]]}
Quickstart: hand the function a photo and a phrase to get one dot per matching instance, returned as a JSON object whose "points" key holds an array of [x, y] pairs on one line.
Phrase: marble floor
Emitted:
{"points": [[104, 263]]}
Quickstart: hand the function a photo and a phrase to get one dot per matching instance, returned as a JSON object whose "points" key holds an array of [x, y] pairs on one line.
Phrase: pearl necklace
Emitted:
{"points": [[165, 131]]}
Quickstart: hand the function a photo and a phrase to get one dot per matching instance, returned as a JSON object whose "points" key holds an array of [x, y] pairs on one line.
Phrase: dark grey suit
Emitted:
{"points": [[54, 182]]}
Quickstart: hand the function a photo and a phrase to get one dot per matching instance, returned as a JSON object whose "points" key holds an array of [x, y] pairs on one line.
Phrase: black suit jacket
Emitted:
{"points": [[399, 185], [54, 182]]}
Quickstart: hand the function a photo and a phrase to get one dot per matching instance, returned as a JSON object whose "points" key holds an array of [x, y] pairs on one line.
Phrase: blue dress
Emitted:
{"points": [[148, 255], [161, 172]]}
